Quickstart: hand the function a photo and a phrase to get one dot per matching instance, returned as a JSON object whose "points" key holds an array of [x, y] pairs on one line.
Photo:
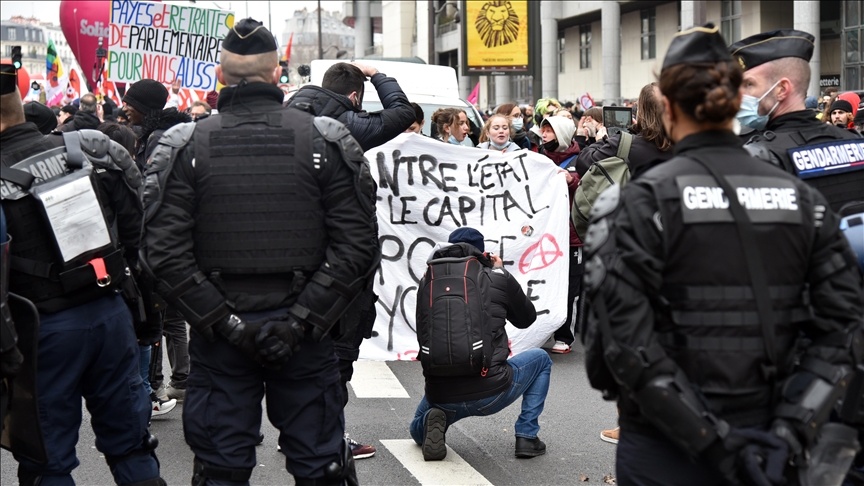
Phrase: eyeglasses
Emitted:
{"points": [[516, 116]]}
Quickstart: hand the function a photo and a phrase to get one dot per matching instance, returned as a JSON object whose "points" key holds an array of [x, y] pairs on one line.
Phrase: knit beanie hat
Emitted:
{"points": [[146, 96], [468, 235], [842, 105], [41, 115]]}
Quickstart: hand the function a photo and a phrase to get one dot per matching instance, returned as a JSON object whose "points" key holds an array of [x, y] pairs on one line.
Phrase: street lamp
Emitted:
{"points": [[101, 54]]}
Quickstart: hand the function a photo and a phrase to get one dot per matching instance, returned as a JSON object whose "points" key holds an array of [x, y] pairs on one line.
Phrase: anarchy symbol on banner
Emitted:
{"points": [[546, 250]]}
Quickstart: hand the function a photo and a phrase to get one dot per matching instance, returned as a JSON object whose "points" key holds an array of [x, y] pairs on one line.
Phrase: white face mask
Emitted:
{"points": [[517, 124], [748, 115]]}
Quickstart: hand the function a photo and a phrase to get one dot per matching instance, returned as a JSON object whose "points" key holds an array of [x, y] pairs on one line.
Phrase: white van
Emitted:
{"points": [[430, 86]]}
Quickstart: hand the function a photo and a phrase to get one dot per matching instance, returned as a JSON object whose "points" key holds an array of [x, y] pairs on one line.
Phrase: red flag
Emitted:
{"points": [[474, 97], [287, 56]]}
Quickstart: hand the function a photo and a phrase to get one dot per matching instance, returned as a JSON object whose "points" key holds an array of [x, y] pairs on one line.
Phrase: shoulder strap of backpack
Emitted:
{"points": [[566, 161], [624, 146], [74, 155]]}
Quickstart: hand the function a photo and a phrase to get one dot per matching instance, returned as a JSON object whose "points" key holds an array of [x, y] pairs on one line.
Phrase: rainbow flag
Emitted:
{"points": [[56, 78]]}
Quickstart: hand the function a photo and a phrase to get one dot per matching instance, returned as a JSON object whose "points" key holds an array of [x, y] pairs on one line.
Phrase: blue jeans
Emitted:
{"points": [[145, 367], [531, 371]]}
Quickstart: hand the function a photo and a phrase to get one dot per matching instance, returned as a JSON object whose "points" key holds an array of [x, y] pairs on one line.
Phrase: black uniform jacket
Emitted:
{"points": [[369, 129], [169, 233], [120, 204], [656, 249], [509, 303]]}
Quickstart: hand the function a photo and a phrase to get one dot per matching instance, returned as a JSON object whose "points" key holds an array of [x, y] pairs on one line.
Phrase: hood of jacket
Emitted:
{"points": [[163, 120], [457, 250], [321, 102], [564, 129]]}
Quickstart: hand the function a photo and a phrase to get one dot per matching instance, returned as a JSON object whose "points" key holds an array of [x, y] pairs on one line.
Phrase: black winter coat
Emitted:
{"points": [[509, 303], [152, 129], [643, 154], [80, 121], [369, 129]]}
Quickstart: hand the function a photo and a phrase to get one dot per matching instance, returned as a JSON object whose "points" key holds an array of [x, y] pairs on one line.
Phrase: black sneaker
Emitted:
{"points": [[527, 448], [434, 448]]}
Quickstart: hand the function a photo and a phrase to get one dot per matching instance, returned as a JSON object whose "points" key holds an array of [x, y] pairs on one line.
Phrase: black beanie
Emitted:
{"points": [[41, 115], [842, 105], [146, 96]]}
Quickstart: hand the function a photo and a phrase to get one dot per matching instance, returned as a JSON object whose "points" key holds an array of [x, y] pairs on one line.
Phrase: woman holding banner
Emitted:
{"points": [[496, 135]]}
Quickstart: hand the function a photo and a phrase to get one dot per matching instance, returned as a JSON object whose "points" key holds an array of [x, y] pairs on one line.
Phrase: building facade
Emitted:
{"points": [[32, 40], [611, 49]]}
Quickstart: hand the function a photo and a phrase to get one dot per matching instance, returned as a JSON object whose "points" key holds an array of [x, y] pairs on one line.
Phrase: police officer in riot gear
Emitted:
{"points": [[776, 77], [72, 207], [258, 223], [699, 300]]}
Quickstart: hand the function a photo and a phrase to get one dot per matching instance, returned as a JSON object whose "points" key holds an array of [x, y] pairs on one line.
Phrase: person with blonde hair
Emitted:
{"points": [[496, 135]]}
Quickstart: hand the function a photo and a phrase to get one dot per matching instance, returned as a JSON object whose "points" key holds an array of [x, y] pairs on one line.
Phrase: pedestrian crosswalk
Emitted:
{"points": [[452, 470], [374, 379]]}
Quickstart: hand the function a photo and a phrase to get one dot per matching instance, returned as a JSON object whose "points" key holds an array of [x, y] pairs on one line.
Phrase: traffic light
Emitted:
{"points": [[283, 78], [16, 57]]}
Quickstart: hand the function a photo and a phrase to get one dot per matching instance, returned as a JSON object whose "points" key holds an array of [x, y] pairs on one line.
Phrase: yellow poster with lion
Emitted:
{"points": [[496, 35]]}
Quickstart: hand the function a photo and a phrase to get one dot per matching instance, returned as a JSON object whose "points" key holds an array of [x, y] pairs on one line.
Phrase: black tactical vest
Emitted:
{"points": [[708, 321], [259, 208], [38, 272], [829, 159]]}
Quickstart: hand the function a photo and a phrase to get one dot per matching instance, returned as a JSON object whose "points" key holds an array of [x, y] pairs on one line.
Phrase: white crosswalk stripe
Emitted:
{"points": [[452, 470], [373, 379]]}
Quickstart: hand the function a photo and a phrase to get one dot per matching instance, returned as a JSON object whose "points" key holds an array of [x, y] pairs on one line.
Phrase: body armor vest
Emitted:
{"points": [[259, 211], [831, 163], [707, 315], [40, 273]]}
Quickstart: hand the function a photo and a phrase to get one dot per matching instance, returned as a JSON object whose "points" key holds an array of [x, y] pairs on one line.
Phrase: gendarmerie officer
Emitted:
{"points": [[776, 77], [259, 229], [72, 207], [699, 299]]}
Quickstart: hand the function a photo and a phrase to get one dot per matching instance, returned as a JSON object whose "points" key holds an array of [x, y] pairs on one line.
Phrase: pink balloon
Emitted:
{"points": [[83, 23]]}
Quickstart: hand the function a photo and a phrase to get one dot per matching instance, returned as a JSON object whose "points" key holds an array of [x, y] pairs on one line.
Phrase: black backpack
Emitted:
{"points": [[453, 317]]}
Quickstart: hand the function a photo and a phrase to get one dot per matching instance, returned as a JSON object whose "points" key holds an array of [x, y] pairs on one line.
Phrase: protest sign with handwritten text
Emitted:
{"points": [[163, 41], [427, 189]]}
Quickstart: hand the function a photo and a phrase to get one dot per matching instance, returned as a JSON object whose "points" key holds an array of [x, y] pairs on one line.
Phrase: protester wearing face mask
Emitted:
{"points": [[559, 146], [496, 135], [452, 124], [776, 77], [517, 124]]}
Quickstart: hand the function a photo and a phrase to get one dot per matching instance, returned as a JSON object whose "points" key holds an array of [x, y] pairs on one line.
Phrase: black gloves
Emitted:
{"points": [[240, 333], [278, 340], [271, 341], [750, 456]]}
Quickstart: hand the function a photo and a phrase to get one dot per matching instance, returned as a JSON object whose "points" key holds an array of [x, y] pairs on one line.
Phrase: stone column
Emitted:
{"points": [[362, 28], [611, 26], [806, 18], [549, 14], [502, 90], [692, 13]]}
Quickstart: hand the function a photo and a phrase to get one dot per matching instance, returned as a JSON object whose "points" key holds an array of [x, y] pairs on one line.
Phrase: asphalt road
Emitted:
{"points": [[570, 425]]}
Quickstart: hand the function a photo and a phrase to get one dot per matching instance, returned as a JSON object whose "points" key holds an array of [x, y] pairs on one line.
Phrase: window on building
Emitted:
{"points": [[12, 33], [585, 46], [730, 20], [649, 34], [852, 77], [561, 51], [27, 35]]}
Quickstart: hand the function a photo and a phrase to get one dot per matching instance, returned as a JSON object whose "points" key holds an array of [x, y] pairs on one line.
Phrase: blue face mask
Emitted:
{"points": [[748, 115], [517, 124], [453, 140]]}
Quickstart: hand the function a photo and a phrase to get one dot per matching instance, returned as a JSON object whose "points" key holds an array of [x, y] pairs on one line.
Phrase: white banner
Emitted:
{"points": [[427, 189]]}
